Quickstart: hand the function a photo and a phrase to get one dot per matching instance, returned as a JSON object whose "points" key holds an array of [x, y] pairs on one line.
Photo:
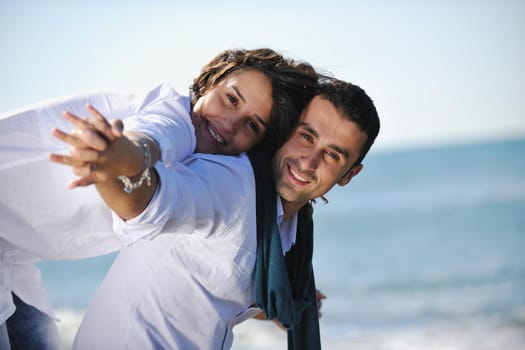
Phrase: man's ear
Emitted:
{"points": [[353, 171]]}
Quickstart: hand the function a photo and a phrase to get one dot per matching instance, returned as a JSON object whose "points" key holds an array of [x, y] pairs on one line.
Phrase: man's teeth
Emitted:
{"points": [[215, 135], [297, 176]]}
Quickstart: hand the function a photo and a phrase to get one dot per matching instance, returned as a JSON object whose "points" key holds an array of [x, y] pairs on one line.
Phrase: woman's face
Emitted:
{"points": [[233, 115]]}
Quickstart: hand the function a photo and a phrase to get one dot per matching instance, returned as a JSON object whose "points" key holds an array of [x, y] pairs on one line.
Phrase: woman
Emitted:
{"points": [[213, 127]]}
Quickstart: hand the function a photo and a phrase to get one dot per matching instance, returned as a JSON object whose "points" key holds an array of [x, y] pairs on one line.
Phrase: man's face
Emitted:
{"points": [[318, 155]]}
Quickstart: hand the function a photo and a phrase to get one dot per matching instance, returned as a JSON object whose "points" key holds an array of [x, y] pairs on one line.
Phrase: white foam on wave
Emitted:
{"points": [[69, 321], [454, 335], [433, 338], [258, 335]]}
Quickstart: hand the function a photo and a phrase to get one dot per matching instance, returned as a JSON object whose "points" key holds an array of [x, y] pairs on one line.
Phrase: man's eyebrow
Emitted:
{"points": [[244, 100], [308, 128], [314, 132]]}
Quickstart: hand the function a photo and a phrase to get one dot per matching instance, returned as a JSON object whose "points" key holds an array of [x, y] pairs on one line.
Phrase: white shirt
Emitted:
{"points": [[186, 288], [39, 216], [72, 240]]}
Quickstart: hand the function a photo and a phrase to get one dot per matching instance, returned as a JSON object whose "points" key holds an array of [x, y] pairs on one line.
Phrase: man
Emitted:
{"points": [[188, 287], [332, 137]]}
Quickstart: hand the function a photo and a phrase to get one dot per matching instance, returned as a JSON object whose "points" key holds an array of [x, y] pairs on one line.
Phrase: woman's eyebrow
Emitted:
{"points": [[239, 93]]}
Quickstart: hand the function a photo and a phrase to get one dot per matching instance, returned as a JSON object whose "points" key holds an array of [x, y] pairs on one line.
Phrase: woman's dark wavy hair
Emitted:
{"points": [[293, 86]]}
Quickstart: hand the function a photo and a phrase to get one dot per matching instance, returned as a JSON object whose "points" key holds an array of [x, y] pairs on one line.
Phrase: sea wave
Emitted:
{"points": [[456, 334]]}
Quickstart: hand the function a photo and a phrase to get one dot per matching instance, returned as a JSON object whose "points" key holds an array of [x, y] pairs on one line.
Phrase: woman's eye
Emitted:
{"points": [[232, 99], [253, 125]]}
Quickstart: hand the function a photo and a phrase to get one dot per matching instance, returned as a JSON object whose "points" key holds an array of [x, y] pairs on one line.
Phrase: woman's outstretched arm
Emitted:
{"points": [[102, 155]]}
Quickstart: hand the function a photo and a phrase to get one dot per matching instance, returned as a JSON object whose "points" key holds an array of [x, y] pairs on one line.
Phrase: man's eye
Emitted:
{"points": [[307, 137], [333, 155], [232, 99]]}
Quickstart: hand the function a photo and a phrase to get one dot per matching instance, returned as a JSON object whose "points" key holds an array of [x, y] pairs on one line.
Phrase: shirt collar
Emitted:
{"points": [[287, 228]]}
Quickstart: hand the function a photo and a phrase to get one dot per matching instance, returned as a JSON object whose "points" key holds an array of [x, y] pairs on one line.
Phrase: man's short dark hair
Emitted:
{"points": [[353, 102]]}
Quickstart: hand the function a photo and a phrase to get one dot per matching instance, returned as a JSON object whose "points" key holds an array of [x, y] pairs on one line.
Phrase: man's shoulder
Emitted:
{"points": [[240, 161], [234, 170]]}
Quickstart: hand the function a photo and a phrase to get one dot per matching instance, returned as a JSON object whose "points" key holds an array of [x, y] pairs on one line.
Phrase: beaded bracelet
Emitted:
{"points": [[130, 186]]}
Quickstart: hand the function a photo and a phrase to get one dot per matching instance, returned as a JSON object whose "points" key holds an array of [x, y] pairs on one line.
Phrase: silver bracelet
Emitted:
{"points": [[130, 186], [147, 155]]}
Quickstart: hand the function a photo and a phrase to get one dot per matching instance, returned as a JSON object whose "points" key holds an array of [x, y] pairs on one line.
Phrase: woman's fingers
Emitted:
{"points": [[83, 171], [81, 138], [88, 141], [95, 134], [64, 160], [70, 139], [117, 126], [81, 182], [92, 134], [84, 154], [86, 171], [92, 139], [76, 121], [101, 124]]}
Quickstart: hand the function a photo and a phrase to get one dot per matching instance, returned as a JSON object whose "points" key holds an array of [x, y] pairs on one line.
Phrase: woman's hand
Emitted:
{"points": [[97, 148], [100, 153]]}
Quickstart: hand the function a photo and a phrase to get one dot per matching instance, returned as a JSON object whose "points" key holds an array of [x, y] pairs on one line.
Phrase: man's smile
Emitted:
{"points": [[296, 175]]}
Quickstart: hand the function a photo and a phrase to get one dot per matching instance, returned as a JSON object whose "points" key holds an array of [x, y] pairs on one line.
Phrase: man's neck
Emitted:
{"points": [[290, 208]]}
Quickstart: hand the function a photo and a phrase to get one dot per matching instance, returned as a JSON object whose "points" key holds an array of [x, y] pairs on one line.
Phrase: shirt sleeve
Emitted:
{"points": [[25, 133], [37, 212], [204, 194], [165, 116]]}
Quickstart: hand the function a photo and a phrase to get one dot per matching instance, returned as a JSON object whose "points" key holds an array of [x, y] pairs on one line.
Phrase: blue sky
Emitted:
{"points": [[440, 72]]}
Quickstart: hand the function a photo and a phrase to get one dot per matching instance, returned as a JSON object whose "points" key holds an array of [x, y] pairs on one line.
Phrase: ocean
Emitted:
{"points": [[425, 249]]}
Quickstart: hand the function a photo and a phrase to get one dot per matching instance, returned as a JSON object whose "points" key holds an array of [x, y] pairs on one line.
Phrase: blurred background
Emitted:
{"points": [[424, 249]]}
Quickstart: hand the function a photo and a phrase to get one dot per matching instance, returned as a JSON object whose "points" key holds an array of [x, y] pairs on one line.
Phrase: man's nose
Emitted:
{"points": [[310, 161]]}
